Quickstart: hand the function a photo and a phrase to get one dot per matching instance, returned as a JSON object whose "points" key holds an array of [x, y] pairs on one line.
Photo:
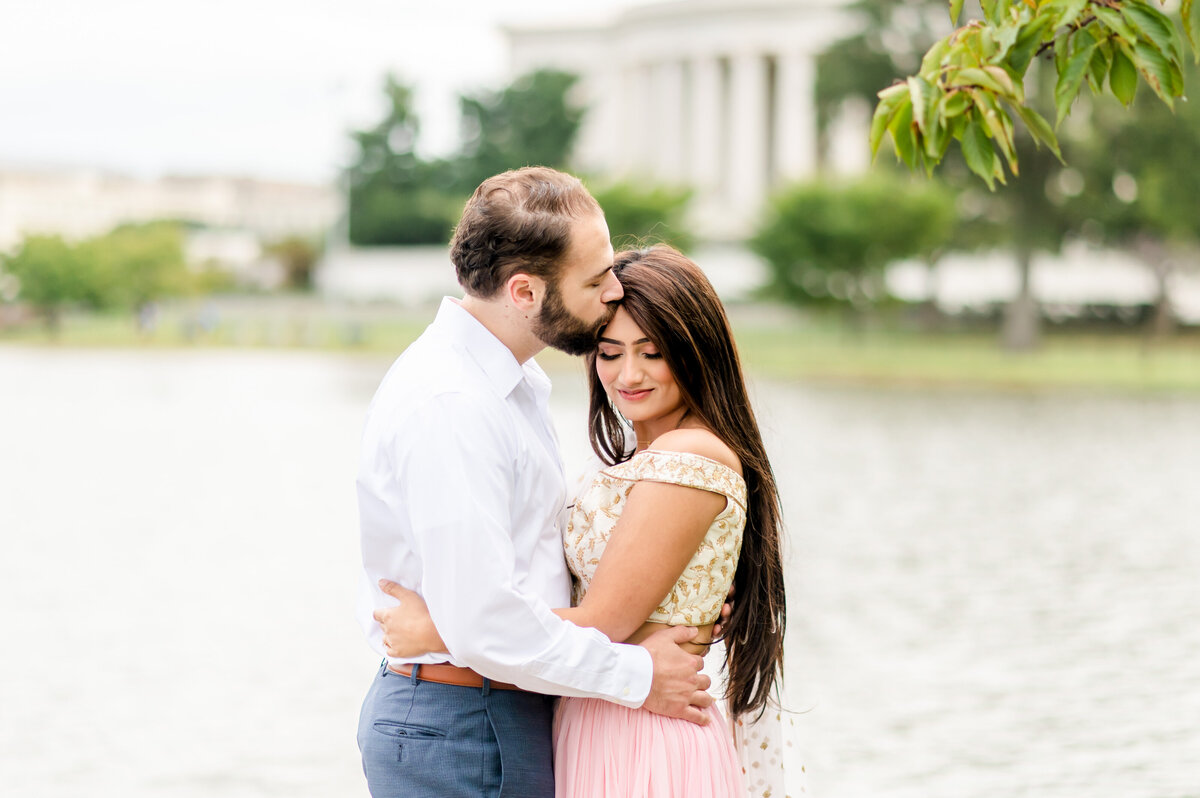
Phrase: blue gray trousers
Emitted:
{"points": [[427, 740]]}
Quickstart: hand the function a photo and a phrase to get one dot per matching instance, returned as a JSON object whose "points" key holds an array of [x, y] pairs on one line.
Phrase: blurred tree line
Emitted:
{"points": [[397, 197], [121, 270], [131, 267]]}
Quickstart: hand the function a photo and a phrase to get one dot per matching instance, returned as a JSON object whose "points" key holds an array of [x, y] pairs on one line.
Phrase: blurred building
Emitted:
{"points": [[713, 94], [231, 216]]}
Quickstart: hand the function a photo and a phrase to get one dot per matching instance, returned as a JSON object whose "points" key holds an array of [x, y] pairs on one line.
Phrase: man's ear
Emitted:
{"points": [[525, 291]]}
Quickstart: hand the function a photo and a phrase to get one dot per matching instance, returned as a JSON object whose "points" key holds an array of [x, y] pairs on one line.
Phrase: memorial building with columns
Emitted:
{"points": [[711, 94]]}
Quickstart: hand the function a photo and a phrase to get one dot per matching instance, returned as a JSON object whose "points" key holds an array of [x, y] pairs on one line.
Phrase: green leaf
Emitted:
{"points": [[978, 153], [1122, 77], [990, 8], [903, 140], [1062, 52], [1069, 11], [1153, 25], [1006, 37], [922, 101], [890, 100], [955, 11], [1039, 128], [1070, 80], [931, 64], [1012, 88], [1028, 41], [936, 142], [1098, 66], [993, 79], [1189, 27], [999, 126], [1156, 71], [954, 104], [1116, 23]]}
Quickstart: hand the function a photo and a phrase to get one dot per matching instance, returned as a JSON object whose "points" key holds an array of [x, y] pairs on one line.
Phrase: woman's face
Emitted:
{"points": [[633, 372]]}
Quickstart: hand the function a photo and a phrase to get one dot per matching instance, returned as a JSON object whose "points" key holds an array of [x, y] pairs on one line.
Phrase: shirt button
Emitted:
{"points": [[625, 691]]}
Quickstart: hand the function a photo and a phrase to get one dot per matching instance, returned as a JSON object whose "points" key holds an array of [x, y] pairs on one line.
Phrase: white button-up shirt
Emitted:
{"points": [[462, 498]]}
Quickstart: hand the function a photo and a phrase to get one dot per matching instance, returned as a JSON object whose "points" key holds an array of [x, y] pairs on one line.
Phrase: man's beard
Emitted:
{"points": [[558, 327]]}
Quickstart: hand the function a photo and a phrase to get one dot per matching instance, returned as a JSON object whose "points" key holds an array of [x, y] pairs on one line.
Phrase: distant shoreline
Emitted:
{"points": [[776, 342]]}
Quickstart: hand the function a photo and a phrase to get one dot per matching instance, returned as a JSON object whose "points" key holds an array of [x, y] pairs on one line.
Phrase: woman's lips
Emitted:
{"points": [[633, 396]]}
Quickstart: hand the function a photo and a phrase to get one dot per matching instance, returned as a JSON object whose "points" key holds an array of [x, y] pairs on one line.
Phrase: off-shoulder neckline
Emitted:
{"points": [[728, 468]]}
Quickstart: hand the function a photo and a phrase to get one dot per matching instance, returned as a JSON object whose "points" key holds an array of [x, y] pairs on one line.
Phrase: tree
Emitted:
{"points": [[395, 197], [894, 39], [640, 214], [136, 264], [830, 244], [123, 269], [1137, 188], [972, 82], [298, 255], [51, 276], [531, 122]]}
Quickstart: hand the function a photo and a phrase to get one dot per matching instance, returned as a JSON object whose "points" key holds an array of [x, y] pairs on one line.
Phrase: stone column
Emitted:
{"points": [[706, 165], [796, 117], [670, 154], [748, 134], [599, 148], [634, 131]]}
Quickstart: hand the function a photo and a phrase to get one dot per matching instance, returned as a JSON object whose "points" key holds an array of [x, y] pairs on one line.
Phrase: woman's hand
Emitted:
{"points": [[726, 611], [408, 629]]}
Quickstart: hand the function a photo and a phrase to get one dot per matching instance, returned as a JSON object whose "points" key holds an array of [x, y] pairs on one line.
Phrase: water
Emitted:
{"points": [[990, 595]]}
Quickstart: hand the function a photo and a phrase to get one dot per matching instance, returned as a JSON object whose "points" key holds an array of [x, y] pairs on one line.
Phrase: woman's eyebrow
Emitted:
{"points": [[603, 340]]}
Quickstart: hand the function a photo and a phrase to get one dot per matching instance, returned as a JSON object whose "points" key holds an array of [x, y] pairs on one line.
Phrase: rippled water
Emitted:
{"points": [[990, 595]]}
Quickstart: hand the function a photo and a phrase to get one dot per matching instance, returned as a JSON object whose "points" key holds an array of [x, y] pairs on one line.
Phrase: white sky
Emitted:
{"points": [[259, 87]]}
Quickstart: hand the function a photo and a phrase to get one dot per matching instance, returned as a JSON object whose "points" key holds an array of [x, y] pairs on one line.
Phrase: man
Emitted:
{"points": [[462, 496]]}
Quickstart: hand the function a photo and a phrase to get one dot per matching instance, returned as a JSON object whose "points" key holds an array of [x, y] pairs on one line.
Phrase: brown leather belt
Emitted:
{"points": [[449, 674]]}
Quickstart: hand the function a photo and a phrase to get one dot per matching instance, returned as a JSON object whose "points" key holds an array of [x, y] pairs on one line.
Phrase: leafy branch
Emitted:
{"points": [[971, 84]]}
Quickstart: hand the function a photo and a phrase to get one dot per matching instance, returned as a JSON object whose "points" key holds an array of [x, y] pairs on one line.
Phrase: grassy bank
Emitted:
{"points": [[774, 343]]}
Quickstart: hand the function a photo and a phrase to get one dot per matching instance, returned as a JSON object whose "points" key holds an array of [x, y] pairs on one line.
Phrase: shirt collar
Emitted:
{"points": [[489, 352]]}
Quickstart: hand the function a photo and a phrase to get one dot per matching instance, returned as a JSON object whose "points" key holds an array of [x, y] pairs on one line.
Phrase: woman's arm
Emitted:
{"points": [[660, 528]]}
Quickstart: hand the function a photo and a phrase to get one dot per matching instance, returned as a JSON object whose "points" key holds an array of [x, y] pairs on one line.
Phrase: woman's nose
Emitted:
{"points": [[631, 370]]}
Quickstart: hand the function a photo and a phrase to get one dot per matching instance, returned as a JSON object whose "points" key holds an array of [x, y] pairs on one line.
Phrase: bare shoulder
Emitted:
{"points": [[698, 441]]}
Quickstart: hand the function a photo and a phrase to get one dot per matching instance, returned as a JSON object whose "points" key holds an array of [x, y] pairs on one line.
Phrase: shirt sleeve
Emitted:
{"points": [[457, 459]]}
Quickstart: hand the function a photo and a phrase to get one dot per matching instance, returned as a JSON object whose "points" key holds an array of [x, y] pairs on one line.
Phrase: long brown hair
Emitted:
{"points": [[675, 306]]}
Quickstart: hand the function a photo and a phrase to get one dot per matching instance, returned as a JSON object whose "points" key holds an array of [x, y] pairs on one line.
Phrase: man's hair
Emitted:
{"points": [[518, 221]]}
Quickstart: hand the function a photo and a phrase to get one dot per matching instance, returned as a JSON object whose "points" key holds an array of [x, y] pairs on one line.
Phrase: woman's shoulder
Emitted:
{"points": [[698, 441]]}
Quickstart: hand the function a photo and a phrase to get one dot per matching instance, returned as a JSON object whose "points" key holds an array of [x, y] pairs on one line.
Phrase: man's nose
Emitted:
{"points": [[613, 292]]}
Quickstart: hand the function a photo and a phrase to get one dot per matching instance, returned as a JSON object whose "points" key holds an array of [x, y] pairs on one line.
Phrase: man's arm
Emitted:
{"points": [[457, 474], [677, 689]]}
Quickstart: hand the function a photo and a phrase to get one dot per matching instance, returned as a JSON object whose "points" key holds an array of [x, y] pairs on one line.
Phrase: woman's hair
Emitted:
{"points": [[517, 221], [676, 307]]}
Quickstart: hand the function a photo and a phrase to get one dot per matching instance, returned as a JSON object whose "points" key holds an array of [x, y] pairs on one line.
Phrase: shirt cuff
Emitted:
{"points": [[638, 667]]}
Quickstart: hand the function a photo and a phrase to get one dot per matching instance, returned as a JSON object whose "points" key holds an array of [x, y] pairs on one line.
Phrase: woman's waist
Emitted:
{"points": [[698, 646]]}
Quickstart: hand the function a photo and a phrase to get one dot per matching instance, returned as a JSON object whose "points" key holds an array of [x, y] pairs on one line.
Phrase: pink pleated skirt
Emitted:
{"points": [[606, 750]]}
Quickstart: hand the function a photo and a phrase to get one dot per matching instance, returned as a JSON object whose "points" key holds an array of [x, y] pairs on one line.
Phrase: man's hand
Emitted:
{"points": [[677, 689], [408, 630]]}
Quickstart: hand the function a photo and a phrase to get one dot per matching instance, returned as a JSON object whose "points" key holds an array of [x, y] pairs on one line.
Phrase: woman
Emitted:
{"points": [[684, 510]]}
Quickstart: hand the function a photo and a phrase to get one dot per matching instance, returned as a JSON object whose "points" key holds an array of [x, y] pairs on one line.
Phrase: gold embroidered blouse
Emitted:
{"points": [[697, 597]]}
